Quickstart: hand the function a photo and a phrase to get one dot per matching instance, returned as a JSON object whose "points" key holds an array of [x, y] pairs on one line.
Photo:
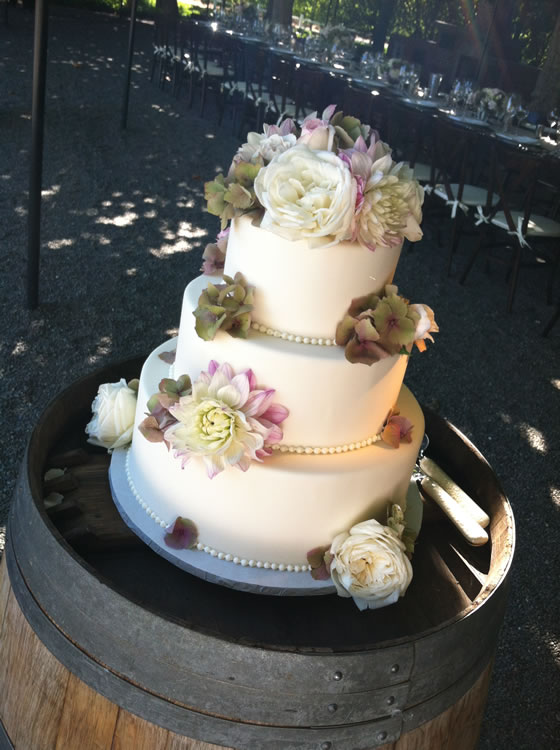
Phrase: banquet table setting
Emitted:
{"points": [[497, 114]]}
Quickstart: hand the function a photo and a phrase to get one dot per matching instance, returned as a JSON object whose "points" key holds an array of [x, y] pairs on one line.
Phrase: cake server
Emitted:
{"points": [[436, 473], [458, 512]]}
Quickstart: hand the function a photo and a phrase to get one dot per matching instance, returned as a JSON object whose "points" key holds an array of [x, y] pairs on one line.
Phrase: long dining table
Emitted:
{"points": [[346, 71]]}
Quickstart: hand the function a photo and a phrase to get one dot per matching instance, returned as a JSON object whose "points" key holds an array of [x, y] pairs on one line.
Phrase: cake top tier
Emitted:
{"points": [[318, 215], [301, 289]]}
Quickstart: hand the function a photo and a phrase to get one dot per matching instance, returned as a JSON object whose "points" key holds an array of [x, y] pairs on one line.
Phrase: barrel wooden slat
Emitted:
{"points": [[32, 706], [133, 732], [86, 715], [458, 728], [4, 593], [160, 659]]}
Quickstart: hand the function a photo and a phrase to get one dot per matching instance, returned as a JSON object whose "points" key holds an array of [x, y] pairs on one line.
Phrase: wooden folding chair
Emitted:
{"points": [[525, 218]]}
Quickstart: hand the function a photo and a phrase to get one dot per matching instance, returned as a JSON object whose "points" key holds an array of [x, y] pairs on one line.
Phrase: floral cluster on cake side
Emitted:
{"points": [[223, 418], [113, 411], [377, 326], [370, 562]]}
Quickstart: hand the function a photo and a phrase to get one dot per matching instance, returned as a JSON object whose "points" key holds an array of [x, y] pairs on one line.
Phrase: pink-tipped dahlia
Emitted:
{"points": [[226, 420]]}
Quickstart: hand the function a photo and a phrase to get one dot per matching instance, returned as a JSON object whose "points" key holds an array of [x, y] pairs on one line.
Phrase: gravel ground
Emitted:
{"points": [[122, 233]]}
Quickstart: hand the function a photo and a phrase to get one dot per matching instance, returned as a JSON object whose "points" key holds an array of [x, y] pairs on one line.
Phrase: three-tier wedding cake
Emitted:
{"points": [[275, 433]]}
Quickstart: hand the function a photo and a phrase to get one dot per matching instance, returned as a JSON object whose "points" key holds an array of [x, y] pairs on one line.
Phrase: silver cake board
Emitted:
{"points": [[223, 572], [198, 562]]}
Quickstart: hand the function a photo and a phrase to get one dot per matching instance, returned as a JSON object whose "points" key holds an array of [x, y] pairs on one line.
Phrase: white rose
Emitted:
{"points": [[307, 194], [370, 565], [113, 409], [267, 146]]}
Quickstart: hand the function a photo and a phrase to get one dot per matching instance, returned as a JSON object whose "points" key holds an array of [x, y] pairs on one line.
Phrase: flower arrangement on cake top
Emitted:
{"points": [[331, 180]]}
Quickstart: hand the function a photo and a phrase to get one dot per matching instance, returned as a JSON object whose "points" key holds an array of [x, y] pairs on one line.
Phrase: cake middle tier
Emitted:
{"points": [[331, 401]]}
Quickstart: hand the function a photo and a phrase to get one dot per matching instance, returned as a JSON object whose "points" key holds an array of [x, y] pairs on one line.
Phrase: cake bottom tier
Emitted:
{"points": [[280, 509]]}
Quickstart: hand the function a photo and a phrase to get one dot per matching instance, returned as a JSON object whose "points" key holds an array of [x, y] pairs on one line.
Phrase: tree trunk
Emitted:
{"points": [[546, 95], [280, 11], [167, 8], [384, 19]]}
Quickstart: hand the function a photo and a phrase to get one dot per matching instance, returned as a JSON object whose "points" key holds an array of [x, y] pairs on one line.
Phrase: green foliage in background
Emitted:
{"points": [[533, 20], [532, 24]]}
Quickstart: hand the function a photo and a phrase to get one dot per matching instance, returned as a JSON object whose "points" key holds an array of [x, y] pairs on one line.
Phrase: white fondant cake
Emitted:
{"points": [[275, 431], [294, 500]]}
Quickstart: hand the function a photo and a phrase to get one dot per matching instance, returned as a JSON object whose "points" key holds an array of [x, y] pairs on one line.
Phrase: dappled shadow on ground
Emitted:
{"points": [[123, 225], [122, 233]]}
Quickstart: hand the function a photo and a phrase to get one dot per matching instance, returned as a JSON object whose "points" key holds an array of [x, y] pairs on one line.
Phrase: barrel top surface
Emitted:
{"points": [[451, 579]]}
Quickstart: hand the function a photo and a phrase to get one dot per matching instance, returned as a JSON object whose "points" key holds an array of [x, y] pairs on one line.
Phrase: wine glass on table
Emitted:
{"points": [[553, 118], [511, 109]]}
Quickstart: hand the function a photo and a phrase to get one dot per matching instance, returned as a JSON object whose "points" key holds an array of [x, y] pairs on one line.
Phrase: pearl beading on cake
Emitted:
{"points": [[226, 556], [309, 450], [288, 567], [153, 515], [296, 338]]}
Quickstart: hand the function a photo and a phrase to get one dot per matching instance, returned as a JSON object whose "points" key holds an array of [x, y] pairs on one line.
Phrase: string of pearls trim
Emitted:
{"points": [[226, 556], [315, 341], [252, 563], [316, 451], [153, 515]]}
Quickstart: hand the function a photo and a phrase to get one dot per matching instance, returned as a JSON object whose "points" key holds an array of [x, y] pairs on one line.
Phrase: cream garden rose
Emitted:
{"points": [[370, 565], [113, 409], [309, 195]]}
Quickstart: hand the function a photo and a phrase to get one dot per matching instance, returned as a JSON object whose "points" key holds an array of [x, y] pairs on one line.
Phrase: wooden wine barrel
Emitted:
{"points": [[106, 645]]}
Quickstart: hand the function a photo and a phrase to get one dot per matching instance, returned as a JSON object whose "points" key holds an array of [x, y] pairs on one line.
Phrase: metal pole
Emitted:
{"points": [[129, 62], [37, 131]]}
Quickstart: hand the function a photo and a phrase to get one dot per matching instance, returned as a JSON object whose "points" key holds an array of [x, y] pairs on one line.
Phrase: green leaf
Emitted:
{"points": [[184, 385], [207, 324], [150, 429], [232, 314], [153, 403], [345, 330], [239, 197], [168, 385], [211, 292], [245, 173]]}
